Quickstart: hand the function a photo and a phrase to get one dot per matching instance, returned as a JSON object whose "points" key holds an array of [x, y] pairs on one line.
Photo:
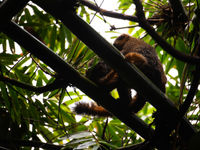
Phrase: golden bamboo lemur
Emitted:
{"points": [[136, 52]]}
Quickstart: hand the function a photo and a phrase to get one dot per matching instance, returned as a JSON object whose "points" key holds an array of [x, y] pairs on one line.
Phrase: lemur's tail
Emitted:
{"points": [[91, 109]]}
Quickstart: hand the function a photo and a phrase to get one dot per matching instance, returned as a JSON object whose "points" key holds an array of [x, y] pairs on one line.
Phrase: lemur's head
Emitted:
{"points": [[120, 41]]}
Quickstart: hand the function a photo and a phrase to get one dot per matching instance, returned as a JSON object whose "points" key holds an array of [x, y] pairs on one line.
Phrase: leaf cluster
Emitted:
{"points": [[26, 114]]}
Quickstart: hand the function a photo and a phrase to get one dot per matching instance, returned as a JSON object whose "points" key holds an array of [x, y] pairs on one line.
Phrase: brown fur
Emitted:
{"points": [[136, 52], [91, 109]]}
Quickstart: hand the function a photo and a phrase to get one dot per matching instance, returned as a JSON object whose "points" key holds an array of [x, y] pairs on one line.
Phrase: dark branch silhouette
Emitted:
{"points": [[193, 89], [10, 8], [178, 10], [70, 75], [58, 83], [111, 56], [194, 85]]}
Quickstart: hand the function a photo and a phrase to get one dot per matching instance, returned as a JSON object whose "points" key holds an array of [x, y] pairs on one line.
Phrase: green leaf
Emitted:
{"points": [[64, 112], [109, 145], [79, 135], [53, 37], [42, 75], [22, 62], [62, 38], [15, 105], [8, 59], [180, 45], [169, 65], [86, 145], [28, 15], [40, 14], [53, 93], [5, 96], [4, 45], [39, 81], [33, 113], [68, 34], [12, 45], [179, 67]]}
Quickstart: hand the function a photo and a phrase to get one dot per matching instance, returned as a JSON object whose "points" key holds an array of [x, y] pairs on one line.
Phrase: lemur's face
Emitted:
{"points": [[120, 41]]}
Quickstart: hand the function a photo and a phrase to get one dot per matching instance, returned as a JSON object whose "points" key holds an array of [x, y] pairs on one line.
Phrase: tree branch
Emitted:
{"points": [[194, 86], [167, 47], [126, 70], [38, 49], [110, 55], [193, 89], [70, 75], [50, 87], [178, 10], [10, 8]]}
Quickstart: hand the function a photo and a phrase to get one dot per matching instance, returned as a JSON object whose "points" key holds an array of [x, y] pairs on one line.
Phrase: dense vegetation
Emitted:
{"points": [[41, 80]]}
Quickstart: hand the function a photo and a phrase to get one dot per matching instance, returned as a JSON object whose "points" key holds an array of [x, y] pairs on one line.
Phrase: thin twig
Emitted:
{"points": [[49, 73], [104, 129], [108, 13], [18, 61]]}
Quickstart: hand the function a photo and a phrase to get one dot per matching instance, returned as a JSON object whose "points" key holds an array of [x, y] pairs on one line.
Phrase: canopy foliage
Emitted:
{"points": [[36, 101]]}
